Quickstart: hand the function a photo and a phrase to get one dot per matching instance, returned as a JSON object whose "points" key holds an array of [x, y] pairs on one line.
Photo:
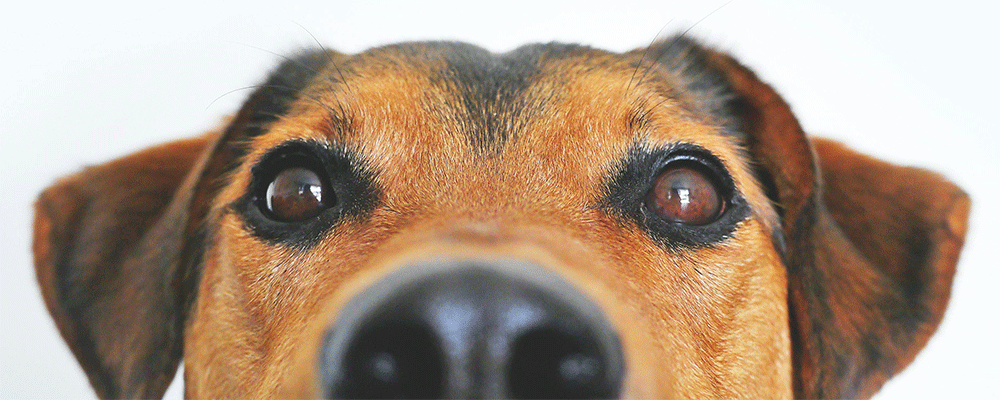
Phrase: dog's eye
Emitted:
{"points": [[300, 190], [686, 192], [297, 194], [681, 195]]}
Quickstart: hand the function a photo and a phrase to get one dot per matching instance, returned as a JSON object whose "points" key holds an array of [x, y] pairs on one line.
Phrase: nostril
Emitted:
{"points": [[472, 330], [553, 363], [392, 359]]}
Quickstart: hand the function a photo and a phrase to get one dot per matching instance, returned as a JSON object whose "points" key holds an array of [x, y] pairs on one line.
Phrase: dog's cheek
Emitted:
{"points": [[221, 352], [717, 315], [236, 334], [258, 304], [756, 360]]}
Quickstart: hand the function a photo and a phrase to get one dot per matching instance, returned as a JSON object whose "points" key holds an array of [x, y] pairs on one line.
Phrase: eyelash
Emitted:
{"points": [[340, 171], [629, 189]]}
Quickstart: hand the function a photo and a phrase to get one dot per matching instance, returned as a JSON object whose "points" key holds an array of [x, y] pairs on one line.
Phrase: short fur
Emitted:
{"points": [[829, 282]]}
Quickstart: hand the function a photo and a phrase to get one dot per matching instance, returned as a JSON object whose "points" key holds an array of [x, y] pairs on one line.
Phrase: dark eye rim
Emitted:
{"points": [[733, 210], [344, 173], [629, 188]]}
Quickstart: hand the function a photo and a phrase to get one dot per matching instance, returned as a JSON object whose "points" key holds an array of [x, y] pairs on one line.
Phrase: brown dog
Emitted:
{"points": [[432, 220]]}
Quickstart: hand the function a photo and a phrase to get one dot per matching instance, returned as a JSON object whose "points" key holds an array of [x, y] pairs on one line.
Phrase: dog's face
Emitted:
{"points": [[432, 220]]}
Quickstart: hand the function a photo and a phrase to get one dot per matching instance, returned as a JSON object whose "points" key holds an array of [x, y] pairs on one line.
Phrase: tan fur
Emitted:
{"points": [[709, 322]]}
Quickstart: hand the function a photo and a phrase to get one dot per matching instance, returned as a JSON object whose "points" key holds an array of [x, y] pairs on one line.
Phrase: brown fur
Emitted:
{"points": [[837, 278]]}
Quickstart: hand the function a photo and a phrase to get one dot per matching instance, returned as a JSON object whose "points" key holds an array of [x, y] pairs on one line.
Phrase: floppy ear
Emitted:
{"points": [[110, 256], [118, 247], [886, 243], [870, 248]]}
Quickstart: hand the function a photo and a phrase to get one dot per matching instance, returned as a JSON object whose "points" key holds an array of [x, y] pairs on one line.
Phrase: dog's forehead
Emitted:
{"points": [[490, 99], [549, 117], [487, 98]]}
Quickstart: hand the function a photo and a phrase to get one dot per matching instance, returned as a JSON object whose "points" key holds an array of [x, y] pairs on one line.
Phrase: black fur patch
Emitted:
{"points": [[686, 59], [282, 88], [493, 88], [268, 103]]}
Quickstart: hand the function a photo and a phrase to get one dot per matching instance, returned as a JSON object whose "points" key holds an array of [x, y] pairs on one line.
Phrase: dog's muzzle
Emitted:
{"points": [[472, 329]]}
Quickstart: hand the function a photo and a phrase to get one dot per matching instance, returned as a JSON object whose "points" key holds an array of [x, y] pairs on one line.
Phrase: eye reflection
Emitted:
{"points": [[296, 194], [683, 194]]}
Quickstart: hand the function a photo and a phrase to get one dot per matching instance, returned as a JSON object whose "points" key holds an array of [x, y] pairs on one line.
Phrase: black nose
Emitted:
{"points": [[472, 329]]}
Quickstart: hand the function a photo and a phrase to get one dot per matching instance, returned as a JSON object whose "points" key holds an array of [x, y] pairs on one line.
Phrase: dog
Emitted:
{"points": [[432, 220]]}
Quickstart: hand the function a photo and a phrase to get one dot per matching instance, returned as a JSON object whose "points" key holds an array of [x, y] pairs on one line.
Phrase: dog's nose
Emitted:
{"points": [[472, 329]]}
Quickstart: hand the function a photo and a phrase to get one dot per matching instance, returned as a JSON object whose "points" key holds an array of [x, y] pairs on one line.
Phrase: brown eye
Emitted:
{"points": [[686, 195], [297, 194]]}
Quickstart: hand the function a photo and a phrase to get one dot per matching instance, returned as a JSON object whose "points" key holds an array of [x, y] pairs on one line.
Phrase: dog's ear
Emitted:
{"points": [[885, 244], [118, 246], [870, 247], [109, 255]]}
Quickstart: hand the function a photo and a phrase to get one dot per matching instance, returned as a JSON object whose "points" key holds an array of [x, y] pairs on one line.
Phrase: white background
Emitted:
{"points": [[82, 82]]}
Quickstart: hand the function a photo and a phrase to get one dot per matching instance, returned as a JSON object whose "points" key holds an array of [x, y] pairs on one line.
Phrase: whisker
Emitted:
{"points": [[342, 112], [329, 57], [643, 57], [231, 92], [328, 79], [677, 39], [333, 83], [660, 103]]}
